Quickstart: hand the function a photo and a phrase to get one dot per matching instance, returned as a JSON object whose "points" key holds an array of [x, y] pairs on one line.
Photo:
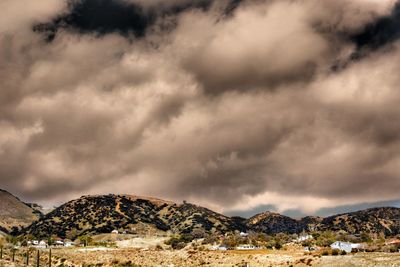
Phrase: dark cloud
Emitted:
{"points": [[379, 33], [127, 17], [233, 106]]}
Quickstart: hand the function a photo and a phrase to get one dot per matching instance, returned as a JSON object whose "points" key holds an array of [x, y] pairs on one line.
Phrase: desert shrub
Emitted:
{"points": [[210, 239], [198, 233], [335, 252], [343, 252], [278, 245], [176, 242], [128, 264], [325, 253]]}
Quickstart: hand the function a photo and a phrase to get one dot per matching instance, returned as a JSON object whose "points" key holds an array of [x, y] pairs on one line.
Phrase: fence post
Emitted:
{"points": [[1, 252], [38, 259], [13, 254], [27, 257], [50, 257]]}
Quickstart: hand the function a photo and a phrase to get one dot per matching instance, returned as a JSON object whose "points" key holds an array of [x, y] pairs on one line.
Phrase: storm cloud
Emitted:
{"points": [[229, 104]]}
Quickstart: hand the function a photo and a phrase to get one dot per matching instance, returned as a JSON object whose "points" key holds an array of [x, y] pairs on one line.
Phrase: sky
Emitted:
{"points": [[236, 105]]}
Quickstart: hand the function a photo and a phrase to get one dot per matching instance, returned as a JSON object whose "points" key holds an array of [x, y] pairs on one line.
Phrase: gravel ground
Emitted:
{"points": [[129, 257], [168, 258]]}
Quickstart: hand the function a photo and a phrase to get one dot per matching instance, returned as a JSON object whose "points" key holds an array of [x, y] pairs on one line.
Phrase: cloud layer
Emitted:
{"points": [[230, 104]]}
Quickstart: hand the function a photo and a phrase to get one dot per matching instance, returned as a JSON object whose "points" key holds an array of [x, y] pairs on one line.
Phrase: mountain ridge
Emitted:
{"points": [[95, 214]]}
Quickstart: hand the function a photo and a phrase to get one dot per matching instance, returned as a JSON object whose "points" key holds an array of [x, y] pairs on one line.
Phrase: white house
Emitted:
{"points": [[303, 238], [41, 244], [220, 248], [59, 243], [345, 246], [69, 244], [246, 247]]}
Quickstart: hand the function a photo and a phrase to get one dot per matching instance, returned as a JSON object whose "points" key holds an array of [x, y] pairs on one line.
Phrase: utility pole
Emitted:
{"points": [[1, 252], [13, 254]]}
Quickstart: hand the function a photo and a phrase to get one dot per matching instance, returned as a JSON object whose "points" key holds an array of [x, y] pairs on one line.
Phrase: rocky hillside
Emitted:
{"points": [[102, 214], [14, 212], [375, 220], [272, 223], [142, 215]]}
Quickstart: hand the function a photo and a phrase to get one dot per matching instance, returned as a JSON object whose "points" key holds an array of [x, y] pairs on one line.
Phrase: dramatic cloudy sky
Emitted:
{"points": [[291, 105]]}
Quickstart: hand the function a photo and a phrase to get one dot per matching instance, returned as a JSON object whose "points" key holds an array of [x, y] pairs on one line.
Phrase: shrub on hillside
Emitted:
{"points": [[335, 252]]}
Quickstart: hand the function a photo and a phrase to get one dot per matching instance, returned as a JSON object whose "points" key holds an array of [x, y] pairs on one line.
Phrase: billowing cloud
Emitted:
{"points": [[229, 104]]}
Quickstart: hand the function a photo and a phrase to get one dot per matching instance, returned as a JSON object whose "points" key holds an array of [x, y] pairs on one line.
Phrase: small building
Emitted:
{"points": [[345, 246], [243, 234], [303, 238], [395, 242], [41, 244], [220, 248], [69, 244], [59, 243], [246, 247], [115, 232]]}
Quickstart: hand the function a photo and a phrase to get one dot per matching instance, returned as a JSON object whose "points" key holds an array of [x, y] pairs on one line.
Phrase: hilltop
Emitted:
{"points": [[14, 213], [133, 214]]}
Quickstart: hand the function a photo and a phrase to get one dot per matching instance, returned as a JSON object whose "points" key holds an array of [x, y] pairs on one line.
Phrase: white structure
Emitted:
{"points": [[59, 243], [303, 238], [69, 244], [345, 246], [245, 247], [220, 248], [243, 234], [114, 232], [41, 244]]}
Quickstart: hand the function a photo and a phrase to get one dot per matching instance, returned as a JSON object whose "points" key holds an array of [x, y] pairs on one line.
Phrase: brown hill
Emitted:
{"points": [[140, 215], [151, 216], [376, 220], [14, 213], [272, 223]]}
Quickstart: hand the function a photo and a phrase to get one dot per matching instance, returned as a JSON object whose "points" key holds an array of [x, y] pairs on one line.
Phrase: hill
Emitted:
{"points": [[132, 214], [376, 220], [273, 223], [91, 215], [14, 212]]}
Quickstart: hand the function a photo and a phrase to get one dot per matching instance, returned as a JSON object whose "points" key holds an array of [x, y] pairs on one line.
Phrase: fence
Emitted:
{"points": [[26, 256]]}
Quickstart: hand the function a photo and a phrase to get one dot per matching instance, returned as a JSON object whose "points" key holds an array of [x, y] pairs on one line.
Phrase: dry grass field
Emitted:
{"points": [[136, 257], [103, 257]]}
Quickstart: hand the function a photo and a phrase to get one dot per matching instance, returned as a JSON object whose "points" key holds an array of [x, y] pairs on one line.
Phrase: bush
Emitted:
{"points": [[335, 252], [343, 252], [176, 243], [325, 253]]}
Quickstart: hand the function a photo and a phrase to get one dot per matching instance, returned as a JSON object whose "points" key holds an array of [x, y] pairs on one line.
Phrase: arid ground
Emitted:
{"points": [[169, 258]]}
